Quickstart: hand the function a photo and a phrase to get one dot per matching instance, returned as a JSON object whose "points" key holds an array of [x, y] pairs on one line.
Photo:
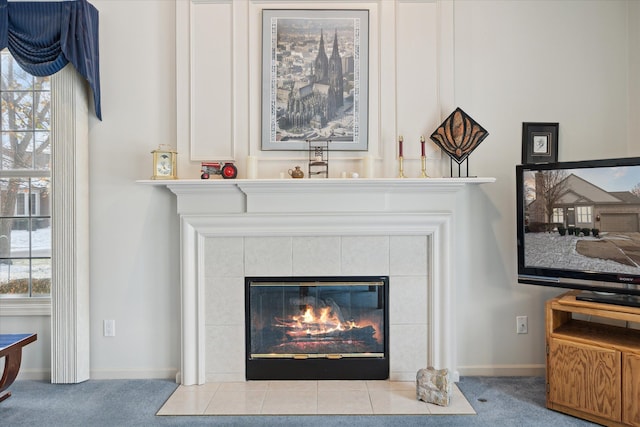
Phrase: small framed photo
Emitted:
{"points": [[539, 143]]}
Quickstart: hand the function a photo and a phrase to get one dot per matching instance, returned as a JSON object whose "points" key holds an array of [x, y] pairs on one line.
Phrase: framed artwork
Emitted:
{"points": [[315, 78], [459, 135], [539, 143]]}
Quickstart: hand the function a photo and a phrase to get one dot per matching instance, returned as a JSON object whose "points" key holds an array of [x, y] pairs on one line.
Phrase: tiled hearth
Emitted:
{"points": [[307, 398], [409, 229]]}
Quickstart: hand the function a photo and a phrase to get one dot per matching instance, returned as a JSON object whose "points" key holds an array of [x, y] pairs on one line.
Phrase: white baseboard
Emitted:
{"points": [[34, 375], [157, 374], [502, 370], [174, 374]]}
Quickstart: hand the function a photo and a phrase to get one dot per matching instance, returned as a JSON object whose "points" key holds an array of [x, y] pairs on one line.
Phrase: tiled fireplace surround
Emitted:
{"points": [[408, 229]]}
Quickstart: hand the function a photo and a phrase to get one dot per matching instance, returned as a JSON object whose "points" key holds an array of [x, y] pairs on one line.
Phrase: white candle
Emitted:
{"points": [[252, 167], [368, 166]]}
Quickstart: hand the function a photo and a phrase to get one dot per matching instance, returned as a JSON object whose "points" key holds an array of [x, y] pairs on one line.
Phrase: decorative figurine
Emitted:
{"points": [[227, 170], [296, 173]]}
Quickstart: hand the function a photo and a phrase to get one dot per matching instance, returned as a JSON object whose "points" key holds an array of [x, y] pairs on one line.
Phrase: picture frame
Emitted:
{"points": [[539, 142], [315, 78]]}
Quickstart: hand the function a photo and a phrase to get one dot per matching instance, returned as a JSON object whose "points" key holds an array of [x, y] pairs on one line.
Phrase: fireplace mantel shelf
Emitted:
{"points": [[304, 185], [197, 196]]}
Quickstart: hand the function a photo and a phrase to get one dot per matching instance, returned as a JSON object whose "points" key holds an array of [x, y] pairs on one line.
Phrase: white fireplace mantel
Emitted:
{"points": [[434, 207], [308, 195]]}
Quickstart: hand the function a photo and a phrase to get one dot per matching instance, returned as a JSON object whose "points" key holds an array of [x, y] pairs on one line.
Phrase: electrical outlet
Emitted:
{"points": [[109, 328], [522, 325]]}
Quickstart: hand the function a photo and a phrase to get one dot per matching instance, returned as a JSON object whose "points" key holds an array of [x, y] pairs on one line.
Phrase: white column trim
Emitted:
{"points": [[70, 340]]}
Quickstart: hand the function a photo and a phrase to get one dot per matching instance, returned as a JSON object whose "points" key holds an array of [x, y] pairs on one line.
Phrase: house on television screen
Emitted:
{"points": [[570, 201]]}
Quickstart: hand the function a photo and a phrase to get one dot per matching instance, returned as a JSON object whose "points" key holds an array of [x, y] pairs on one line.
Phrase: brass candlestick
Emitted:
{"points": [[401, 172], [424, 168], [423, 157], [400, 158]]}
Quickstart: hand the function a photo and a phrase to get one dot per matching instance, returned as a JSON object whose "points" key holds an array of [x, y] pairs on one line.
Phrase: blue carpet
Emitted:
{"points": [[498, 401]]}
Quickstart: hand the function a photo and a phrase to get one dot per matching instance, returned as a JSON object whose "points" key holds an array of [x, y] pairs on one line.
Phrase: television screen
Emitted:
{"points": [[579, 225]]}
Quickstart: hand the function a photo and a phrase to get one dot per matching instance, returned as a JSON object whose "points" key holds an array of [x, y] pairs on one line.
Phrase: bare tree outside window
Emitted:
{"points": [[25, 183], [550, 186]]}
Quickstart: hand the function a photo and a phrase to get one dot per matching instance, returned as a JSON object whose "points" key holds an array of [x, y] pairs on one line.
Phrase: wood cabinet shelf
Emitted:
{"points": [[593, 369], [614, 337]]}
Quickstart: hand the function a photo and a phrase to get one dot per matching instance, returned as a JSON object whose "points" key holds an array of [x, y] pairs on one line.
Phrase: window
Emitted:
{"points": [[25, 182], [558, 215], [583, 214]]}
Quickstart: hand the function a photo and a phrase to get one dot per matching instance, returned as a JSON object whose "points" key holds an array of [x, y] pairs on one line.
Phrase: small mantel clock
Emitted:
{"points": [[164, 163]]}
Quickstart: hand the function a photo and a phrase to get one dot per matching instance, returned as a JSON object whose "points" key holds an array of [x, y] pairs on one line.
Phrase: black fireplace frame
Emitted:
{"points": [[347, 368]]}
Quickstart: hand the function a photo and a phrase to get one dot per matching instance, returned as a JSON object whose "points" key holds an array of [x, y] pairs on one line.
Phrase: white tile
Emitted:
{"points": [[224, 301], [347, 402], [365, 255], [285, 385], [315, 256], [192, 390], [268, 256], [224, 257], [383, 385], [342, 385], [397, 402], [244, 386], [190, 400], [409, 300], [407, 348], [224, 350], [408, 255], [237, 402], [283, 402]]}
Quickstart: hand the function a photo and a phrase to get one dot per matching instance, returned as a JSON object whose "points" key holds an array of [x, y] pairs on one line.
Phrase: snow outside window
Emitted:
{"points": [[25, 181]]}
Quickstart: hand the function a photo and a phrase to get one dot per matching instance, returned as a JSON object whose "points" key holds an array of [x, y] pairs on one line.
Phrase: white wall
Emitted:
{"points": [[134, 229], [515, 61], [530, 61]]}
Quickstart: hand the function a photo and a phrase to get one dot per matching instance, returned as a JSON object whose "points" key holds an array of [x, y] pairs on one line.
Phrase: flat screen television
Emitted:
{"points": [[579, 227]]}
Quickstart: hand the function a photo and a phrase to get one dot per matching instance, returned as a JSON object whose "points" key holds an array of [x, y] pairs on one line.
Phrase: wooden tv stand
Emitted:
{"points": [[593, 369]]}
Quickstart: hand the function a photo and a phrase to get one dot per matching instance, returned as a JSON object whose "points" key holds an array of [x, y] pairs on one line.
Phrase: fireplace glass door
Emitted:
{"points": [[317, 327]]}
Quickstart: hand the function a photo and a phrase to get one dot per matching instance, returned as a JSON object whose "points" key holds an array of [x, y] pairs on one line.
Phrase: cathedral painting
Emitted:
{"points": [[315, 79]]}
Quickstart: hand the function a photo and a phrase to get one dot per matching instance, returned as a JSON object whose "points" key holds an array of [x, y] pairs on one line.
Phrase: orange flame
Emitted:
{"points": [[319, 322]]}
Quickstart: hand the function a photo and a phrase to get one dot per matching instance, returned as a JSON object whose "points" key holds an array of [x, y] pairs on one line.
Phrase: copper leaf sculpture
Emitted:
{"points": [[459, 135]]}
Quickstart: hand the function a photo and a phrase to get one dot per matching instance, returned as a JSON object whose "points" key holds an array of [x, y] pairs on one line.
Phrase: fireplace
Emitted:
{"points": [[411, 230], [317, 328]]}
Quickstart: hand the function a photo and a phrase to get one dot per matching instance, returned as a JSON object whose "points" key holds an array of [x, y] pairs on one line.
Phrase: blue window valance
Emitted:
{"points": [[43, 37]]}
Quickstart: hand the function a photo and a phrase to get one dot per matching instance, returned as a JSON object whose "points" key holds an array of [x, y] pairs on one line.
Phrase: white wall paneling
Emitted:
{"points": [[417, 33], [213, 74], [220, 82]]}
